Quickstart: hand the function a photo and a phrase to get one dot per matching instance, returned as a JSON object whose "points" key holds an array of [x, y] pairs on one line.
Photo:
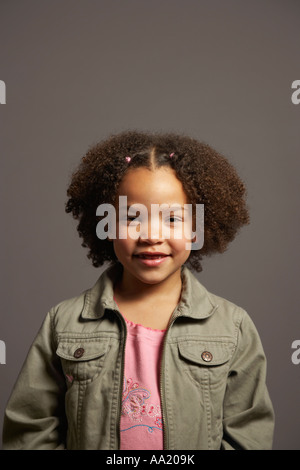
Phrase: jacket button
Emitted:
{"points": [[207, 356], [78, 353]]}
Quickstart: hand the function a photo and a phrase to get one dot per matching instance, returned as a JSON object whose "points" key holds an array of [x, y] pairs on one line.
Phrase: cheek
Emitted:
{"points": [[179, 246], [123, 246]]}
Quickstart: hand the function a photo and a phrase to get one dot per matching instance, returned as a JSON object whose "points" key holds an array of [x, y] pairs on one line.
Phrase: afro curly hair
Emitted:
{"points": [[207, 178]]}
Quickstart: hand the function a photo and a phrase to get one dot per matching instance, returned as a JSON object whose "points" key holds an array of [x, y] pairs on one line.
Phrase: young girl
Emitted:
{"points": [[147, 358]]}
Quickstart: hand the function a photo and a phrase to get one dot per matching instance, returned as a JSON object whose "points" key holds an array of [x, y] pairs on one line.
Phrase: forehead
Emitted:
{"points": [[155, 186]]}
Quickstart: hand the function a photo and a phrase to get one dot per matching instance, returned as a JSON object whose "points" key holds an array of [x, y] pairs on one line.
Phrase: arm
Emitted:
{"points": [[35, 417], [248, 421]]}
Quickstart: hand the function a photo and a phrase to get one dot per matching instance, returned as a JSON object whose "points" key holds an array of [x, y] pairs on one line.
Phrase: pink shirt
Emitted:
{"points": [[141, 417]]}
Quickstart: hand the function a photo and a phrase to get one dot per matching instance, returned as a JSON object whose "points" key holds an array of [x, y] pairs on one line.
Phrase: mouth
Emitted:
{"points": [[151, 255], [151, 259]]}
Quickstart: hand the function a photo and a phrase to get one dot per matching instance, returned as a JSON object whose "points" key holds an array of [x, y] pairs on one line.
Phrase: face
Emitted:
{"points": [[152, 247]]}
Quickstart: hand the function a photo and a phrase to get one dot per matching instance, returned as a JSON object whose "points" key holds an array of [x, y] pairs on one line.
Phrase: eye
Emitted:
{"points": [[133, 219], [174, 219]]}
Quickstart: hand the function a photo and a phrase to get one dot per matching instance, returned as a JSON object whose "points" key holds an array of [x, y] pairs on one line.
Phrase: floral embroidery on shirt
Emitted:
{"points": [[135, 405], [158, 422]]}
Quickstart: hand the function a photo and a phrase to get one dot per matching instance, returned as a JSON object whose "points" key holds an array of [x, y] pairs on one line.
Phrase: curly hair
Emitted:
{"points": [[207, 178]]}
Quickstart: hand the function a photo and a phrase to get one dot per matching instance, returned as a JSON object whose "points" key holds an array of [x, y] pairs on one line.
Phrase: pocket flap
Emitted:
{"points": [[206, 353], [76, 349]]}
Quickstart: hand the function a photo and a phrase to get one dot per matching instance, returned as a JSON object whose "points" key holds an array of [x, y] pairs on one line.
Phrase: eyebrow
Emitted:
{"points": [[175, 208]]}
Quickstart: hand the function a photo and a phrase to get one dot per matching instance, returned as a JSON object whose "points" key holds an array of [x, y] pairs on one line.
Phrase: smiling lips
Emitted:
{"points": [[151, 259], [151, 255]]}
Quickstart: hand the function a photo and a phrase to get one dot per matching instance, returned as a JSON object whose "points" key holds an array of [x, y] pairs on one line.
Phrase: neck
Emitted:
{"points": [[131, 287]]}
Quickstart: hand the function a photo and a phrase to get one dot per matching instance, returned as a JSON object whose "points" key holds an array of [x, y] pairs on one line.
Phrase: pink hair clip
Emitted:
{"points": [[171, 154], [128, 158]]}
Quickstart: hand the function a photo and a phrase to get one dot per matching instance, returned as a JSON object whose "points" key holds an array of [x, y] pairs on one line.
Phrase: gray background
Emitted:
{"points": [[221, 71]]}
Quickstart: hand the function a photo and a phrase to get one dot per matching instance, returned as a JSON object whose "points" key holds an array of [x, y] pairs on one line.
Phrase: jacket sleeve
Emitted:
{"points": [[34, 417], [248, 420]]}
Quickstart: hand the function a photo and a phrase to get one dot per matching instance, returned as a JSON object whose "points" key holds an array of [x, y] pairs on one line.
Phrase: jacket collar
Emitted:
{"points": [[195, 301]]}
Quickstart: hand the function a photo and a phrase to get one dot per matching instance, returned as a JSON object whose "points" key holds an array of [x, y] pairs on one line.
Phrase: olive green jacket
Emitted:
{"points": [[213, 390]]}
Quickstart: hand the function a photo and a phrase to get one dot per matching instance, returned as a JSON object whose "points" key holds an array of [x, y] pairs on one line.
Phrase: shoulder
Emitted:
{"points": [[228, 317], [234, 319], [227, 307], [74, 313], [67, 312], [209, 305]]}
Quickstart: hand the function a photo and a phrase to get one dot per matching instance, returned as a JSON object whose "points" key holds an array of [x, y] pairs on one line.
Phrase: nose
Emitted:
{"points": [[151, 232], [151, 240]]}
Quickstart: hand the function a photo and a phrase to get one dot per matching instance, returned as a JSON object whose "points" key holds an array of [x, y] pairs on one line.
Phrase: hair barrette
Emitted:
{"points": [[171, 154], [128, 158]]}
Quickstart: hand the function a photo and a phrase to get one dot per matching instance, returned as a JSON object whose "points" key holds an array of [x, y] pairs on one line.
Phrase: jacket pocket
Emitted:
{"points": [[82, 358], [206, 359]]}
